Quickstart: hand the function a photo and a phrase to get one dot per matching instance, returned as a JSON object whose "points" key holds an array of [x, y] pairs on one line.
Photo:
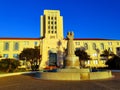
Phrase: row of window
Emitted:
{"points": [[52, 32], [52, 27], [7, 46], [94, 62], [109, 43], [14, 56], [95, 47], [52, 22], [15, 45], [55, 18]]}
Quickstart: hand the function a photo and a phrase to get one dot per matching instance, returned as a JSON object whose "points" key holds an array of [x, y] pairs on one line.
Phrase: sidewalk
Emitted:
{"points": [[17, 73]]}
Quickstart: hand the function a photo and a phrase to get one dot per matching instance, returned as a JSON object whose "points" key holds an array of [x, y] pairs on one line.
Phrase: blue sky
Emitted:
{"points": [[87, 18]]}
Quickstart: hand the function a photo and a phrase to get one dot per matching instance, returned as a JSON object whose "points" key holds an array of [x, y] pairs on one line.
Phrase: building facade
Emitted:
{"points": [[53, 44]]}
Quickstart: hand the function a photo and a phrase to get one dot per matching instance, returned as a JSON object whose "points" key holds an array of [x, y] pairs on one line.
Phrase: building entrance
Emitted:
{"points": [[53, 59]]}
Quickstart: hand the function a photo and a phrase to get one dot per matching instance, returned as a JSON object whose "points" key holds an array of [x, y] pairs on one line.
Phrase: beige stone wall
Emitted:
{"points": [[22, 43], [75, 75]]}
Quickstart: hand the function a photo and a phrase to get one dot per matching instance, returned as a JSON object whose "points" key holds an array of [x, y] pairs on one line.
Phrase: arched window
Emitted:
{"points": [[86, 46], [35, 43], [16, 46], [6, 46], [102, 46], [94, 46]]}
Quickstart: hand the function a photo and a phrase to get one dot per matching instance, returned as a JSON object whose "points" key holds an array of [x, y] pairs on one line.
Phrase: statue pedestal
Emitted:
{"points": [[72, 62]]}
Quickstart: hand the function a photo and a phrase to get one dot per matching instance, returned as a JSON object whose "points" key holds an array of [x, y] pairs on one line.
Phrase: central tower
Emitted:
{"points": [[52, 42], [52, 24]]}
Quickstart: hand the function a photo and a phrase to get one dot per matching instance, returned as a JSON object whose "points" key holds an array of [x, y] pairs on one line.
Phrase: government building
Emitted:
{"points": [[53, 44]]}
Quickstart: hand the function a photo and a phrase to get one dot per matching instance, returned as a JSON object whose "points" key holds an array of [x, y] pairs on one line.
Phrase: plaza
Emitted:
{"points": [[30, 82]]}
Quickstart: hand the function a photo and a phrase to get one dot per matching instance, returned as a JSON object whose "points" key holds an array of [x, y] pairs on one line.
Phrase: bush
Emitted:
{"points": [[114, 63], [9, 65]]}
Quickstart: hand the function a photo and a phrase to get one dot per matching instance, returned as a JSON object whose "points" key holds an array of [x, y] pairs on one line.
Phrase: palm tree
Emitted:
{"points": [[107, 54]]}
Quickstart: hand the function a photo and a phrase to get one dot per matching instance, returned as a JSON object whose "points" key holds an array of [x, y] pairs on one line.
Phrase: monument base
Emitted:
{"points": [[72, 62], [74, 74]]}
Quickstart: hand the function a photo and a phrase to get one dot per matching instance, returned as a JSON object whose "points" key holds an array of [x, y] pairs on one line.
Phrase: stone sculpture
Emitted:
{"points": [[72, 61]]}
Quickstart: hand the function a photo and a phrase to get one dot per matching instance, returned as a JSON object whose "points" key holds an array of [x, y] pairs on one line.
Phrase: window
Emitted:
{"points": [[102, 46], [95, 61], [48, 27], [103, 61], [5, 55], [49, 31], [55, 18], [55, 22], [55, 31], [35, 43], [77, 43], [48, 17], [16, 56], [94, 46], [52, 22], [52, 18], [6, 46], [26, 42], [95, 54], [52, 32], [55, 27], [86, 46], [51, 27], [48, 22], [88, 62], [16, 46], [109, 43]]}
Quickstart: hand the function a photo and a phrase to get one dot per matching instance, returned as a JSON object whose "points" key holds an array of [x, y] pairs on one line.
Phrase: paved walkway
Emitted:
{"points": [[27, 82]]}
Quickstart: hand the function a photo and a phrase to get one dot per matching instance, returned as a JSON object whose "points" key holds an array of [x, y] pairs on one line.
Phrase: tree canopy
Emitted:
{"points": [[31, 54], [106, 53], [82, 54], [114, 62]]}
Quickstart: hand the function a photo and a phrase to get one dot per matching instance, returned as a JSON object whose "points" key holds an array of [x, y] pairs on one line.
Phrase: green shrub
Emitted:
{"points": [[8, 65]]}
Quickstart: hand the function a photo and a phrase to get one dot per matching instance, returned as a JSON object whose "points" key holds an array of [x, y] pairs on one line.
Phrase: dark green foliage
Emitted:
{"points": [[114, 62], [107, 53], [9, 65], [32, 55], [29, 53], [82, 54]]}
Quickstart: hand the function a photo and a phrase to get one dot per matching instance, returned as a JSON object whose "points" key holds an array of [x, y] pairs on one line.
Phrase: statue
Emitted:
{"points": [[72, 61], [70, 44]]}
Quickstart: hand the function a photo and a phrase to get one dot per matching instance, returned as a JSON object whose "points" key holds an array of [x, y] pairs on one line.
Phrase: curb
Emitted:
{"points": [[115, 70], [18, 73]]}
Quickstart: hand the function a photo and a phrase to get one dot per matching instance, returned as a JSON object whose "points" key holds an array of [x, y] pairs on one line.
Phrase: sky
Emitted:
{"points": [[86, 18]]}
